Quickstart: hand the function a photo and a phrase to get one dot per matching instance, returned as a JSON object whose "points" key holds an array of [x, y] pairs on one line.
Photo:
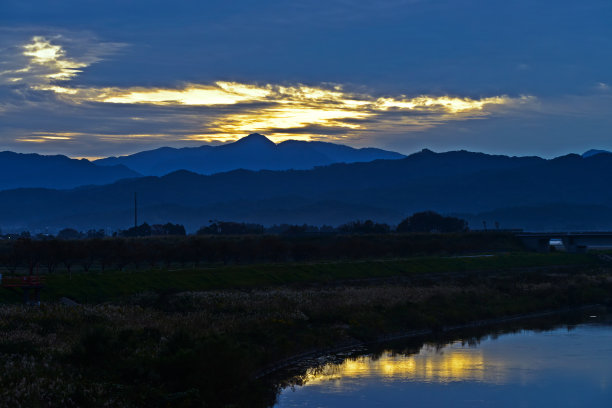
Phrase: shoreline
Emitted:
{"points": [[357, 344], [235, 336]]}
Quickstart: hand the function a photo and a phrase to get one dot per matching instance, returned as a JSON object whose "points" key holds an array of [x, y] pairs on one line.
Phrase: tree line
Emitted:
{"points": [[221, 242], [27, 256], [427, 221]]}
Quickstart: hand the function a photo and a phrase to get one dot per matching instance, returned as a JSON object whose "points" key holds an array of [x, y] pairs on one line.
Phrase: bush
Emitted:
{"points": [[429, 221]]}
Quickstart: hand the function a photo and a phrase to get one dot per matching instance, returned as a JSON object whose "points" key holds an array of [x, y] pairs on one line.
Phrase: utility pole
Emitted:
{"points": [[135, 210]]}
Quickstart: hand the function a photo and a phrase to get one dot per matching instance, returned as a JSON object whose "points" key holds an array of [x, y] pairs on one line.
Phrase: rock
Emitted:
{"points": [[68, 302]]}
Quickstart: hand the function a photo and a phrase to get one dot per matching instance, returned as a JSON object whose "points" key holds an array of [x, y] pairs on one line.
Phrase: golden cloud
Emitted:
{"points": [[283, 111], [225, 110], [44, 60], [53, 57]]}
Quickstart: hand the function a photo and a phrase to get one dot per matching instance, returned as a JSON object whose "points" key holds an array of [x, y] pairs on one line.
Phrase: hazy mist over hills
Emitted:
{"points": [[33, 170], [518, 192], [253, 152]]}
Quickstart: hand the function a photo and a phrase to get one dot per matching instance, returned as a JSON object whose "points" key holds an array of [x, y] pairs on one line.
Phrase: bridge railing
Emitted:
{"points": [[30, 281]]}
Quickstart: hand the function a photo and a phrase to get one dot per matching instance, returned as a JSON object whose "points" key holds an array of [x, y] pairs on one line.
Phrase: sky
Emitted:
{"points": [[89, 78]]}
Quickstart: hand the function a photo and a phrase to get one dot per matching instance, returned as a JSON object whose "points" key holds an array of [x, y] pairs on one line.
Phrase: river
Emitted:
{"points": [[569, 366]]}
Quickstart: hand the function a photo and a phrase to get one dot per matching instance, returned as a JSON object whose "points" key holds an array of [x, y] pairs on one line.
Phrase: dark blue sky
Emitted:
{"points": [[542, 70]]}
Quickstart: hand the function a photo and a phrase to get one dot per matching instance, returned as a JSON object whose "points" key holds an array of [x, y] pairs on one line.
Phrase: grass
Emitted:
{"points": [[196, 337], [96, 287]]}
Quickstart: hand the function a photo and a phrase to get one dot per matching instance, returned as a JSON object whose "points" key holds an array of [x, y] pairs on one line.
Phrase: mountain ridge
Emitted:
{"points": [[384, 190], [24, 170], [253, 152]]}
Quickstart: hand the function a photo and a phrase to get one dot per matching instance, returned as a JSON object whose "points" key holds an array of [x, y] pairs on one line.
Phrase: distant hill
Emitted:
{"points": [[33, 170], [593, 152], [385, 190], [253, 152]]}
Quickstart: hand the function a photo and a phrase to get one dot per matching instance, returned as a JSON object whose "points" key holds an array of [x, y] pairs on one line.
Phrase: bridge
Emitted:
{"points": [[572, 241], [27, 283]]}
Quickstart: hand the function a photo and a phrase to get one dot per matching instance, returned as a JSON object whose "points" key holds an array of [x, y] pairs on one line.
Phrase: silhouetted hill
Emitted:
{"points": [[33, 170], [593, 152], [254, 152], [385, 190]]}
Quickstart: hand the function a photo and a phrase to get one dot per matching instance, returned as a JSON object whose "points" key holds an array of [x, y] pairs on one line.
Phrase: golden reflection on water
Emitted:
{"points": [[449, 364]]}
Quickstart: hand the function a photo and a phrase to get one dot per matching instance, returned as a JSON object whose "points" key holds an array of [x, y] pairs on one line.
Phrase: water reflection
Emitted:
{"points": [[567, 366], [452, 363]]}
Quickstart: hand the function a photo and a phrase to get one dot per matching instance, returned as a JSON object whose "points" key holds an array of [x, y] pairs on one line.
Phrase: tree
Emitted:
{"points": [[231, 228], [92, 233], [26, 251], [143, 230], [67, 253], [430, 221], [86, 252], [10, 258], [69, 233], [49, 254], [365, 227], [104, 250], [168, 229]]}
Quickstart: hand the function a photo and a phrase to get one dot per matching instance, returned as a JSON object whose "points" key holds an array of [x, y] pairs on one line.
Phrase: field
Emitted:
{"points": [[96, 287], [199, 335]]}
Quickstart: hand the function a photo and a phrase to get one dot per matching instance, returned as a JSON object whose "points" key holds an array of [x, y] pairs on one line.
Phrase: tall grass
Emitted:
{"points": [[202, 346]]}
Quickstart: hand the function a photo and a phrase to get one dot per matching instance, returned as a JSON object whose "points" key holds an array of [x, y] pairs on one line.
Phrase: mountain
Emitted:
{"points": [[253, 152], [593, 152], [33, 170], [385, 190]]}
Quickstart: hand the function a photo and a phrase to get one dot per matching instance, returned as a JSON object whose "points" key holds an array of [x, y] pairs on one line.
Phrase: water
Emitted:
{"points": [[558, 368]]}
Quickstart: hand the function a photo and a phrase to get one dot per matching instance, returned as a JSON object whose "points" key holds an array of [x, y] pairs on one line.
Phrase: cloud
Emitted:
{"points": [[279, 109], [43, 60], [40, 75]]}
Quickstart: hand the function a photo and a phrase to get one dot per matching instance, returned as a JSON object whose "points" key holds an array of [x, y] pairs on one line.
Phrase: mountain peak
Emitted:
{"points": [[255, 138], [253, 152]]}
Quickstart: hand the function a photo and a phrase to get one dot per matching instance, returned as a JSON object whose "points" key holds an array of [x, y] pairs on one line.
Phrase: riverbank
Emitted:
{"points": [[525, 361], [205, 345], [313, 358]]}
